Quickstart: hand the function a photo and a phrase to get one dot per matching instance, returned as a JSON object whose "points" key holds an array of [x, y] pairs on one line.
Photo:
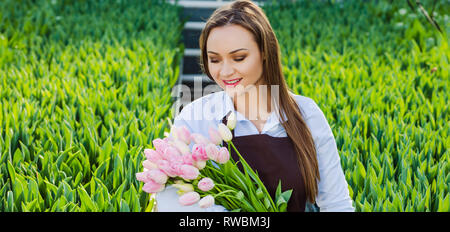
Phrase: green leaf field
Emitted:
{"points": [[85, 86]]}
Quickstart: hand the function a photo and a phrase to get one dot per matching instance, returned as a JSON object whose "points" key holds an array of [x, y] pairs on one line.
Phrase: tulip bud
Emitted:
{"points": [[259, 194], [199, 153], [178, 182], [223, 156], [142, 176], [149, 165], [171, 154], [158, 176], [187, 159], [206, 201], [152, 155], [240, 195], [201, 164], [225, 133], [168, 168], [211, 151], [231, 121], [183, 188], [214, 136], [189, 198], [181, 133], [152, 187], [206, 184], [160, 145], [181, 146], [188, 172]]}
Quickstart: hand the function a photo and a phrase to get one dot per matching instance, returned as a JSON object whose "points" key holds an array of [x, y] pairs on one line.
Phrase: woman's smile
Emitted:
{"points": [[232, 82]]}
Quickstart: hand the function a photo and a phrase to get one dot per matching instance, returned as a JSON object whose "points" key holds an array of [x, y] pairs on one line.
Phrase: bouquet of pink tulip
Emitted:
{"points": [[207, 174]]}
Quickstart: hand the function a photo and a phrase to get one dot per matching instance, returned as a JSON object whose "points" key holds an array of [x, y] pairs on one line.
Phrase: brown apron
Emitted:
{"points": [[274, 159]]}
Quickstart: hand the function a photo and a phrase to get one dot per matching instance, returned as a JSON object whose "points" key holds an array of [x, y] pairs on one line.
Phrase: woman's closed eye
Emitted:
{"points": [[237, 60]]}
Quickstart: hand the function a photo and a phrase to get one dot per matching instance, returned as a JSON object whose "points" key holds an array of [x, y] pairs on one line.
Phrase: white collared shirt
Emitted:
{"points": [[333, 194]]}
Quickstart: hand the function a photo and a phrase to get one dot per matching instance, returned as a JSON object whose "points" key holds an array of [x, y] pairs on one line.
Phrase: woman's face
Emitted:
{"points": [[233, 55]]}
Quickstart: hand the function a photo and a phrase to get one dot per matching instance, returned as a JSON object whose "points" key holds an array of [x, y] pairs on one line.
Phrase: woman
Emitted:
{"points": [[282, 135]]}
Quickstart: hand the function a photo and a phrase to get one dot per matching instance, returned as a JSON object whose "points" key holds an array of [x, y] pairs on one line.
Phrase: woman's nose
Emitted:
{"points": [[226, 70]]}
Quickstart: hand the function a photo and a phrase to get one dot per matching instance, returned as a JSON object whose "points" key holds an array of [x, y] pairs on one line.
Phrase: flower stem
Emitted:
{"points": [[256, 177], [213, 169], [221, 193], [234, 204], [224, 185]]}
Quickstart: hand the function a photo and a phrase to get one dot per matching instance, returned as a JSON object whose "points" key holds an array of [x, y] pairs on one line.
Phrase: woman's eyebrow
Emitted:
{"points": [[229, 52]]}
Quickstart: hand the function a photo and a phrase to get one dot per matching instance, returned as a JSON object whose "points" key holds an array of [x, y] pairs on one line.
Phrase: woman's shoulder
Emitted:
{"points": [[308, 107], [314, 118]]}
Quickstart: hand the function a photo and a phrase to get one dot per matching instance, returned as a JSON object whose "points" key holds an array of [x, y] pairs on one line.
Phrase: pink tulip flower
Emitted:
{"points": [[143, 177], [189, 198], [223, 155], [199, 153], [152, 187], [160, 145], [167, 139], [154, 175], [171, 154], [168, 168], [211, 151], [199, 139], [206, 201], [206, 184], [157, 176], [188, 172], [181, 146], [181, 133], [152, 155], [149, 165], [214, 136], [187, 159]]}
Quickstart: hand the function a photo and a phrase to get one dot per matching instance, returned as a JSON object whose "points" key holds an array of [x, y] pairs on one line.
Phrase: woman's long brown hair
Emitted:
{"points": [[251, 17]]}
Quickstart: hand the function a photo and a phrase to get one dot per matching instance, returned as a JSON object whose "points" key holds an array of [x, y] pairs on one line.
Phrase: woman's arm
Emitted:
{"points": [[333, 188]]}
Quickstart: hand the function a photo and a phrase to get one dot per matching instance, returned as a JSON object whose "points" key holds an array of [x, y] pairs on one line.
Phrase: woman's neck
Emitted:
{"points": [[255, 103]]}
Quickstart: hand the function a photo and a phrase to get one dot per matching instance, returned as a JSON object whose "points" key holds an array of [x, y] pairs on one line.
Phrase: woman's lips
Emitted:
{"points": [[232, 82]]}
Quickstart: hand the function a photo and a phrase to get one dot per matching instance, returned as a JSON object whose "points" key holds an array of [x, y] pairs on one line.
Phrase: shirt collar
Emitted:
{"points": [[229, 107]]}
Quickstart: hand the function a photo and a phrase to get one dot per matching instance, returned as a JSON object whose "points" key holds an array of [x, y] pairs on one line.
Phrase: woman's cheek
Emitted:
{"points": [[215, 72]]}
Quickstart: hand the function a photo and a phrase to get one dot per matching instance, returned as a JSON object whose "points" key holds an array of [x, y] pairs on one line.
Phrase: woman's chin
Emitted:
{"points": [[235, 91]]}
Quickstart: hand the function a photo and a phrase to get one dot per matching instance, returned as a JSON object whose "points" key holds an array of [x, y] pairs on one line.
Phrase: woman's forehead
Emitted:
{"points": [[229, 38]]}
